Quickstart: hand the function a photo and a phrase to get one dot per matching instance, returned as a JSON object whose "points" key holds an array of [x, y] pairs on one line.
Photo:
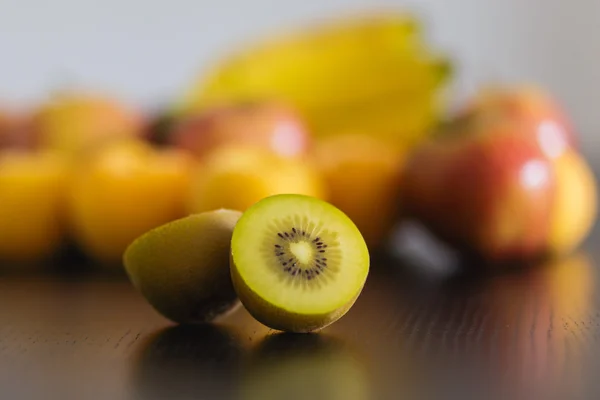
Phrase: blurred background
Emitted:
{"points": [[108, 45], [124, 115], [147, 52]]}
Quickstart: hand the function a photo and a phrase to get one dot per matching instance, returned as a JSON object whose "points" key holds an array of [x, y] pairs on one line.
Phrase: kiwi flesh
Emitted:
{"points": [[297, 262], [182, 268]]}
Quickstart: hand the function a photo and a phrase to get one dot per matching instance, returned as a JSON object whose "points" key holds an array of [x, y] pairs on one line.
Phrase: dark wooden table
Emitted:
{"points": [[413, 334]]}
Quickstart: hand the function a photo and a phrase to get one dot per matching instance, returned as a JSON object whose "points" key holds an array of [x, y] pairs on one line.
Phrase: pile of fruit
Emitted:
{"points": [[347, 112]]}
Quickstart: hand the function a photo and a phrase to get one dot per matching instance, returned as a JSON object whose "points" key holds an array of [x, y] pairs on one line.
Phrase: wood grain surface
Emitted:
{"points": [[527, 334]]}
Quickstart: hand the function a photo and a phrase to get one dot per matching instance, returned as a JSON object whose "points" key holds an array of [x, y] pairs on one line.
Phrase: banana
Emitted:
{"points": [[392, 119], [370, 73]]}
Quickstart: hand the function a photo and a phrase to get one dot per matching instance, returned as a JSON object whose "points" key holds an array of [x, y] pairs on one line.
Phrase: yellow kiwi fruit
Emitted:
{"points": [[182, 267], [297, 262]]}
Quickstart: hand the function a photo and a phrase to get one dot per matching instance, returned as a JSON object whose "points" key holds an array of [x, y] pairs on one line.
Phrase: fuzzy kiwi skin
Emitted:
{"points": [[182, 268], [279, 319]]}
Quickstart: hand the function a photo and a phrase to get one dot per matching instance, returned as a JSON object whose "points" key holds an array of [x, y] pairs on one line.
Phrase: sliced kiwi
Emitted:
{"points": [[297, 263], [182, 268]]}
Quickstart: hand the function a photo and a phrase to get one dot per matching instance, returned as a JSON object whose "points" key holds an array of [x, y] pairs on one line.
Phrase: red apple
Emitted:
{"points": [[534, 107], [521, 124], [483, 188], [268, 125]]}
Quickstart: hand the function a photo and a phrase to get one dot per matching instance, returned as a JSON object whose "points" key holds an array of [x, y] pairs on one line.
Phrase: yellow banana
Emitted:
{"points": [[363, 73]]}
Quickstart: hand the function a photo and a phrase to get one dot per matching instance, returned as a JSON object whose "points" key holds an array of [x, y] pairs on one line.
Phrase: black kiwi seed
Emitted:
{"points": [[290, 264]]}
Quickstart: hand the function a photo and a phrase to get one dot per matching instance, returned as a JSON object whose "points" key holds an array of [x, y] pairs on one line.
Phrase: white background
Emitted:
{"points": [[146, 51]]}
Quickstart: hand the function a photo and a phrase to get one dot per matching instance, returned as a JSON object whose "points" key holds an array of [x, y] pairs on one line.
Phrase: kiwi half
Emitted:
{"points": [[182, 268], [297, 263]]}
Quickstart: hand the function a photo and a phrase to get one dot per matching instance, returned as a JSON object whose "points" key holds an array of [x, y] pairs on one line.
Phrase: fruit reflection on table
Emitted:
{"points": [[525, 337]]}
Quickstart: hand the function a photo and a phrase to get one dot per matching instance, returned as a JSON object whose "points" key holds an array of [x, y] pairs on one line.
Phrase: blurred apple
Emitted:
{"points": [[505, 178], [267, 125], [363, 177], [123, 190], [487, 189], [532, 105], [32, 187], [73, 123], [237, 177]]}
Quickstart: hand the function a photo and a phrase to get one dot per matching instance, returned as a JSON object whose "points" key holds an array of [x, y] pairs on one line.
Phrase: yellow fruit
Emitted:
{"points": [[237, 177], [400, 122], [32, 187], [575, 203], [122, 191], [182, 267], [72, 123], [368, 72], [298, 264], [363, 177]]}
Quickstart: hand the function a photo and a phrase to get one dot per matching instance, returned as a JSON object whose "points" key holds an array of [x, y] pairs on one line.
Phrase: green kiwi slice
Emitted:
{"points": [[182, 267], [297, 263]]}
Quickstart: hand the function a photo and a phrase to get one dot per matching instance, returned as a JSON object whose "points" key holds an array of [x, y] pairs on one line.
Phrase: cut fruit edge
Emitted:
{"points": [[303, 294]]}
